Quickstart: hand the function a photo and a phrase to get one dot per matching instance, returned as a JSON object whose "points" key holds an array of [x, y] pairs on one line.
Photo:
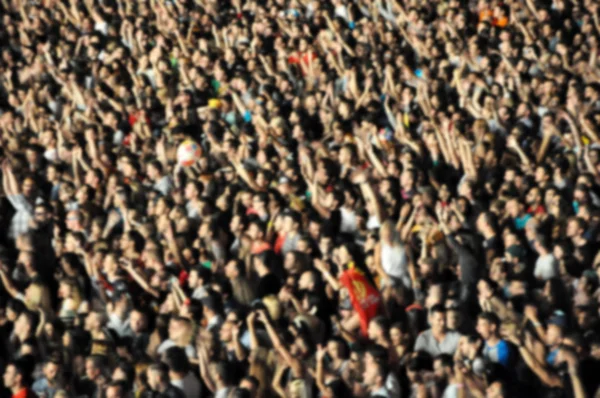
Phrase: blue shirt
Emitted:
{"points": [[521, 221], [500, 353]]}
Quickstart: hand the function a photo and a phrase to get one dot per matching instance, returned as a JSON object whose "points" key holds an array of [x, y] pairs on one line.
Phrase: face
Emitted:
{"points": [[91, 322], [396, 336], [113, 392], [370, 374], [553, 335], [225, 334], [438, 322], [374, 331], [484, 328], [51, 371], [90, 370], [28, 187], [10, 377], [494, 391], [137, 322]]}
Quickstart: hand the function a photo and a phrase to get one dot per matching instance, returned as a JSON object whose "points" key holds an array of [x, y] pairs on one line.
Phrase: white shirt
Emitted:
{"points": [[546, 267], [189, 385]]}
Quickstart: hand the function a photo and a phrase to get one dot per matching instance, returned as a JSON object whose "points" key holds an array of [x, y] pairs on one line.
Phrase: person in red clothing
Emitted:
{"points": [[17, 377]]}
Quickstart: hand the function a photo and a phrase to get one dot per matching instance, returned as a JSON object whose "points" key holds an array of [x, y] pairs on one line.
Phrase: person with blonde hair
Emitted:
{"points": [[70, 293], [36, 296]]}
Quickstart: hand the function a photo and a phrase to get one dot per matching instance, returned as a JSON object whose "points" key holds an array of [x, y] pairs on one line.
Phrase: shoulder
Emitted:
{"points": [[425, 335]]}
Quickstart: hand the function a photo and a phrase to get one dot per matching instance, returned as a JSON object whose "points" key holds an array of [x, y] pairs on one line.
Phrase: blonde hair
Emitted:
{"points": [[75, 291], [38, 297]]}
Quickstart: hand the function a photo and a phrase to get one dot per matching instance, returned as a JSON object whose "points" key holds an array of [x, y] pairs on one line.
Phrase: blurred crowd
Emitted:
{"points": [[393, 198]]}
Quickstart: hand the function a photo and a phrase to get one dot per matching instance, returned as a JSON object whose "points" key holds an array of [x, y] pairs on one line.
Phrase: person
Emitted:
{"points": [[158, 381], [115, 389], [180, 373], [51, 381], [495, 349], [17, 378], [438, 339], [172, 169]]}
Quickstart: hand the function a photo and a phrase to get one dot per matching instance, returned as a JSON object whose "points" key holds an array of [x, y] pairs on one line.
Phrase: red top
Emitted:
{"points": [[24, 393], [279, 243]]}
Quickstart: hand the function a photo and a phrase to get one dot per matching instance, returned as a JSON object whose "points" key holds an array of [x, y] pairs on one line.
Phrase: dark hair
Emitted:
{"points": [[446, 360], [491, 317], [24, 366], [438, 308], [138, 240], [162, 370], [252, 380], [176, 359], [378, 352], [17, 306], [123, 388]]}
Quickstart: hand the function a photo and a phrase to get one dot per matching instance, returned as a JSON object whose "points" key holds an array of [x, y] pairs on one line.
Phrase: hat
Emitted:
{"points": [[214, 103]]}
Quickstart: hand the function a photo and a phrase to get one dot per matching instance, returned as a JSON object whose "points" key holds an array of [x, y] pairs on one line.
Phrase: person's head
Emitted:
{"points": [[95, 321], [17, 374], [486, 222], [132, 241], [115, 389], [199, 276], [308, 280], [74, 219], [14, 308], [488, 325], [337, 349], [454, 317], [124, 372], [234, 269], [374, 375], [37, 296], [25, 324], [251, 384], [437, 318], [42, 213], [52, 370], [554, 332], [442, 366], [575, 227], [179, 328], [28, 187], [138, 320], [193, 190], [158, 376], [155, 170], [397, 334], [177, 361], [94, 367], [378, 329], [256, 230], [497, 389], [291, 222]]}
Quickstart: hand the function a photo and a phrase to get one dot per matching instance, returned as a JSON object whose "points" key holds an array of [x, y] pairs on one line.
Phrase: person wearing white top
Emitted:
{"points": [[390, 256]]}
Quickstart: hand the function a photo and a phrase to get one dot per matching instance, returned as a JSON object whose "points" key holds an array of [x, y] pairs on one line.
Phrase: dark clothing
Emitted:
{"points": [[267, 285], [467, 260], [170, 392]]}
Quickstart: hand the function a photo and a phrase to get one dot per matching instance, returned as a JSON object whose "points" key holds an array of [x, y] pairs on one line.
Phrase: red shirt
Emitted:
{"points": [[24, 393], [279, 243]]}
